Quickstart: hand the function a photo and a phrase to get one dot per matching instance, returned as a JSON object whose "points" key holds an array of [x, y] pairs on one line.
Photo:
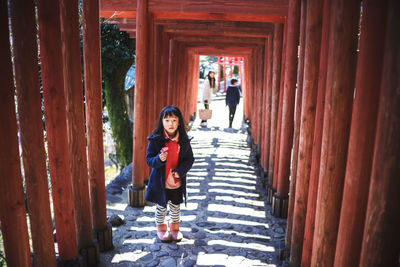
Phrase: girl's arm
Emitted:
{"points": [[152, 156], [186, 164]]}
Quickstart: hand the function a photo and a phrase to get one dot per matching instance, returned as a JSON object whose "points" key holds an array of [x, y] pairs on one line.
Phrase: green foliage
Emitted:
{"points": [[117, 50], [117, 56], [118, 116]]}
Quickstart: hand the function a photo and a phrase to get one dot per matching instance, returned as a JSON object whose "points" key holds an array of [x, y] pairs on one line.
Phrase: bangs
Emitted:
{"points": [[170, 111]]}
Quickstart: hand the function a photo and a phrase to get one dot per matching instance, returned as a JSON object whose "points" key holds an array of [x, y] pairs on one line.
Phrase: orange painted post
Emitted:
{"points": [[289, 90], [338, 104], [380, 245], [94, 123], [307, 123], [268, 84], [296, 138], [264, 110], [317, 142], [219, 73], [31, 130], [260, 81], [225, 85], [277, 148], [362, 134], [244, 87], [76, 130], [276, 75], [139, 169], [12, 205], [56, 127]]}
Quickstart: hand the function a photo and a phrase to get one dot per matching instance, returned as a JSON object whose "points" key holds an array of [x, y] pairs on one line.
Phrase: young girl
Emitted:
{"points": [[170, 156]]}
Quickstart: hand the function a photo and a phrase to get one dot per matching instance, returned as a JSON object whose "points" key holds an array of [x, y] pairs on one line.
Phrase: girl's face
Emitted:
{"points": [[171, 124], [211, 74]]}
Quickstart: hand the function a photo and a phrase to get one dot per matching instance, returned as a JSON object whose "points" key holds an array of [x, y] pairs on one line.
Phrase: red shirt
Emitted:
{"points": [[172, 162]]}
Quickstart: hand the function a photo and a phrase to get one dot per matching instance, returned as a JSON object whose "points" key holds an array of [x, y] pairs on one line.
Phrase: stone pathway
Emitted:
{"points": [[226, 221]]}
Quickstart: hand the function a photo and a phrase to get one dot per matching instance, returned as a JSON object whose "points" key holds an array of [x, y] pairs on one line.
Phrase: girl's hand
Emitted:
{"points": [[176, 175], [163, 156]]}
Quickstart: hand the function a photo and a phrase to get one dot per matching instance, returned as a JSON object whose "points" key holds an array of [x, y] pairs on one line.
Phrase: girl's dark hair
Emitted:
{"points": [[171, 111], [211, 80]]}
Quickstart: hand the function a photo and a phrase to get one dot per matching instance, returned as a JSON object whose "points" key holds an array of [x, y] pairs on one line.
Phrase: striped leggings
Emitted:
{"points": [[174, 213]]}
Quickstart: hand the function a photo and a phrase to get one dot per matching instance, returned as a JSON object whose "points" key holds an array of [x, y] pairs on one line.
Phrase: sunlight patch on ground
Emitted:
{"points": [[117, 206], [248, 187], [231, 261], [241, 200], [197, 173], [190, 206], [193, 184], [236, 210], [236, 174], [196, 197], [190, 178], [254, 246], [236, 233], [234, 221], [192, 190], [237, 180], [235, 165], [233, 192], [139, 241], [129, 256]]}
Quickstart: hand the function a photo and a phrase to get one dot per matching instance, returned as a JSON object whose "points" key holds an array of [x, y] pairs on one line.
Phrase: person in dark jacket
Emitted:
{"points": [[232, 99], [170, 156]]}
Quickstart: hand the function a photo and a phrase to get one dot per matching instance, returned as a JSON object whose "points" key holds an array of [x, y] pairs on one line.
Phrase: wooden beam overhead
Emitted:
{"points": [[220, 10]]}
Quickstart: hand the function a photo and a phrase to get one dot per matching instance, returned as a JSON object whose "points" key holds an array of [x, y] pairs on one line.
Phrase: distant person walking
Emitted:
{"points": [[209, 88], [232, 99], [170, 156]]}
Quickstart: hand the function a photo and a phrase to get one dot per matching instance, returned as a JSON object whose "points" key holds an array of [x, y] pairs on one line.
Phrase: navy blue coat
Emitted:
{"points": [[156, 187], [232, 95]]}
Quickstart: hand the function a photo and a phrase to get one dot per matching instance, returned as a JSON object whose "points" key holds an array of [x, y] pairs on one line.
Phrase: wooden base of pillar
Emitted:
{"points": [[284, 253], [70, 263], [136, 196], [104, 238], [270, 193], [90, 255], [280, 206]]}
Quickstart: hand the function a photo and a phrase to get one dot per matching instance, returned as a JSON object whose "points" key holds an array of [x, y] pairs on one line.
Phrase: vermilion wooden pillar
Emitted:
{"points": [[280, 200], [338, 105], [277, 142], [139, 169], [76, 129], [317, 142], [31, 130], [296, 138], [257, 96], [276, 74], [362, 133], [380, 245], [266, 116], [56, 127], [12, 205], [94, 122], [268, 95], [260, 95], [307, 124]]}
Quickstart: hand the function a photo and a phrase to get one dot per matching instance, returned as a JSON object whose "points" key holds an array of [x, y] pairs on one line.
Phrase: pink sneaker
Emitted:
{"points": [[175, 233], [163, 234]]}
